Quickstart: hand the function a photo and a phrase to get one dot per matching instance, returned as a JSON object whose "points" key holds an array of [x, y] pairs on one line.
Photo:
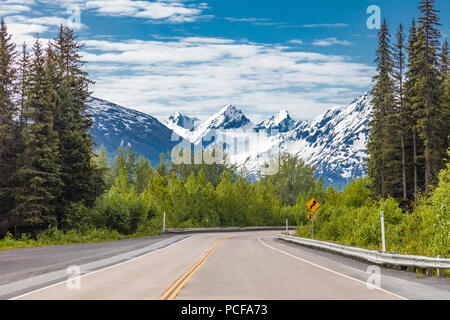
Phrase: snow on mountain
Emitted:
{"points": [[181, 124], [281, 122], [116, 126], [334, 142], [179, 120], [228, 118]]}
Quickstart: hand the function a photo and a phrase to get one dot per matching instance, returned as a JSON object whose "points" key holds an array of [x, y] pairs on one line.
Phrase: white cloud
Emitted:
{"points": [[256, 21], [24, 29], [154, 11], [45, 21], [199, 75], [8, 9], [296, 41], [330, 42], [171, 11], [27, 2]]}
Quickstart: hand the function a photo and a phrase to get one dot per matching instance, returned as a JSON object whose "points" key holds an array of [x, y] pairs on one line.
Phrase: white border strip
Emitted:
{"points": [[102, 269], [326, 269]]}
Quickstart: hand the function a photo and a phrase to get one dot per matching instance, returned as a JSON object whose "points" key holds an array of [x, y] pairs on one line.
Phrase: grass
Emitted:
{"points": [[53, 236]]}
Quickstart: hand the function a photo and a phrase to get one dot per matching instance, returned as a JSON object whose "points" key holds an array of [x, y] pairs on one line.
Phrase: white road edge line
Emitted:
{"points": [[326, 269], [102, 269]]}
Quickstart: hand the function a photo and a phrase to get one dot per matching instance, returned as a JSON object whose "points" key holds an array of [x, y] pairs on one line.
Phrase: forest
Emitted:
{"points": [[58, 187]]}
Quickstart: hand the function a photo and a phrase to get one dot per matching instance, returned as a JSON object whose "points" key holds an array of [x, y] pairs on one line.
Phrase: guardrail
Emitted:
{"points": [[226, 229], [381, 258]]}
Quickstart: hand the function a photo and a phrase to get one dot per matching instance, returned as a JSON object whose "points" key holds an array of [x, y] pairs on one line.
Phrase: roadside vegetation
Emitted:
{"points": [[138, 195], [352, 217]]}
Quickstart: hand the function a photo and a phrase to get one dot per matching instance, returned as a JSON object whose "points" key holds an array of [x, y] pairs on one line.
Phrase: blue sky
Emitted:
{"points": [[194, 57]]}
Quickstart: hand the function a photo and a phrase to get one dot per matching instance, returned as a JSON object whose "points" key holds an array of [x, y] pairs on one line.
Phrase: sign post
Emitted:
{"points": [[383, 240], [164, 223], [312, 205]]}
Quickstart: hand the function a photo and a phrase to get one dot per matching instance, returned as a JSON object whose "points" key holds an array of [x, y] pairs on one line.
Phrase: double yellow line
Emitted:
{"points": [[176, 287]]}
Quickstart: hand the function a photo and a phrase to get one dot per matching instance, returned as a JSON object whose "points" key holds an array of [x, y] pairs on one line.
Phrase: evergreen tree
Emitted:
{"points": [[73, 123], [445, 80], [411, 96], [8, 127], [23, 83], [444, 61], [431, 122], [378, 148], [39, 176], [399, 68]]}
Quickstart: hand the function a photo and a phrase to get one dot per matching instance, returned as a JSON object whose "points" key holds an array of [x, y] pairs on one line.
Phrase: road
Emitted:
{"points": [[247, 266]]}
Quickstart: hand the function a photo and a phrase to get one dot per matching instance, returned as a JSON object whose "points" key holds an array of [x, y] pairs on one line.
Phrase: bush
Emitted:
{"points": [[76, 217], [434, 216], [120, 209]]}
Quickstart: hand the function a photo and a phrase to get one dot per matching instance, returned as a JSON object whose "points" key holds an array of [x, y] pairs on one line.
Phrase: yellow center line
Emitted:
{"points": [[176, 287]]}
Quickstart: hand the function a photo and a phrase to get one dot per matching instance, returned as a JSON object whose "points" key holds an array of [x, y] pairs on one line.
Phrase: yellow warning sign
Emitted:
{"points": [[310, 216], [313, 205]]}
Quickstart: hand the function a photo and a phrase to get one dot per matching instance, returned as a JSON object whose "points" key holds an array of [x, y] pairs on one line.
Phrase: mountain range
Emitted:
{"points": [[334, 142]]}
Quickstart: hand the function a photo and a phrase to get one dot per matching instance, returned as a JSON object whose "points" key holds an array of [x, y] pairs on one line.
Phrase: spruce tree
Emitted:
{"points": [[399, 68], [431, 125], [444, 61], [72, 122], [8, 128], [39, 182], [23, 83], [383, 104], [445, 80], [411, 103]]}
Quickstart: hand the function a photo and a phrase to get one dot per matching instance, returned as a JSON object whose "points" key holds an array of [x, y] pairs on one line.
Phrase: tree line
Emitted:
{"points": [[45, 147], [410, 127], [200, 195]]}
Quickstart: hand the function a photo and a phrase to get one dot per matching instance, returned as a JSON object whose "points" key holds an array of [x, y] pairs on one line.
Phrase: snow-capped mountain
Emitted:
{"points": [[334, 142], [281, 122], [116, 126], [179, 120], [181, 124], [228, 118]]}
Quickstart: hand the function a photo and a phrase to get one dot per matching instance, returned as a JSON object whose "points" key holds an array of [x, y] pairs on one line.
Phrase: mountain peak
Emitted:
{"points": [[282, 122], [229, 117], [179, 120]]}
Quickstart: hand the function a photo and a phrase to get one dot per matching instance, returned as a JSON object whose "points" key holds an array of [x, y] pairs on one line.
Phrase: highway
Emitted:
{"points": [[237, 266]]}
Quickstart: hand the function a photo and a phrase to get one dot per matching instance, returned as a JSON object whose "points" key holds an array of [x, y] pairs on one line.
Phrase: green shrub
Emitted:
{"points": [[76, 216], [120, 209]]}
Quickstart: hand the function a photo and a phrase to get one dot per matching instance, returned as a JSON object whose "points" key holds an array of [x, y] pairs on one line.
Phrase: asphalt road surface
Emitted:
{"points": [[247, 266]]}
